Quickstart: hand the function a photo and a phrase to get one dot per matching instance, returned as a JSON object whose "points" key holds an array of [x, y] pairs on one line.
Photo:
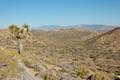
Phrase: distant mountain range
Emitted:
{"points": [[95, 27], [98, 27]]}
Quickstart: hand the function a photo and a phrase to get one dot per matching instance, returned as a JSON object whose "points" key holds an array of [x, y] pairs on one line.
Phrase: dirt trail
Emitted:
{"points": [[26, 73]]}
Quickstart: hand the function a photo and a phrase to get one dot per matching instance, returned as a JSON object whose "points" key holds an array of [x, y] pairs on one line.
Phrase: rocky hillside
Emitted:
{"points": [[6, 40], [109, 40], [58, 55], [106, 46]]}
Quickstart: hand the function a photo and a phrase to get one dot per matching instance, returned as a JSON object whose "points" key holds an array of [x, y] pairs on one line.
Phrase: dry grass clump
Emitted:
{"points": [[100, 76], [8, 66], [51, 75], [83, 72]]}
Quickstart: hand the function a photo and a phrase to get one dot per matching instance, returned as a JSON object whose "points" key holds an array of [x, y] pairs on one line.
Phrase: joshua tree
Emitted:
{"points": [[25, 31], [20, 35], [14, 30]]}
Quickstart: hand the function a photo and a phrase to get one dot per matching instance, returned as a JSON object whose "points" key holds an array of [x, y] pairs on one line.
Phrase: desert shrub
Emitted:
{"points": [[28, 64], [100, 76], [52, 75], [82, 72]]}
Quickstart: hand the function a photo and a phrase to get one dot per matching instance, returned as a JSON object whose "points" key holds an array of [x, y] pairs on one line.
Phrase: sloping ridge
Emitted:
{"points": [[113, 31], [108, 40]]}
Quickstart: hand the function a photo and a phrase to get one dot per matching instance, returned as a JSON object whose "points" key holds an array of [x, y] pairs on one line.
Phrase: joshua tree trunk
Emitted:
{"points": [[20, 46]]}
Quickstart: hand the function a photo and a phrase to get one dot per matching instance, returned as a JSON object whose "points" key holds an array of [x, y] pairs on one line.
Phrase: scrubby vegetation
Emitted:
{"points": [[66, 54]]}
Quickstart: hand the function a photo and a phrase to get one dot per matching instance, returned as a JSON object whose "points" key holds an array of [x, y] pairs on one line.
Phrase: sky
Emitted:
{"points": [[59, 12]]}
